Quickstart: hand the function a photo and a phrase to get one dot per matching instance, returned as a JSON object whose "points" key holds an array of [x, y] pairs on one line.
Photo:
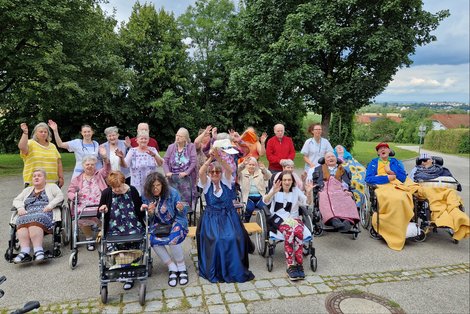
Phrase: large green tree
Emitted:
{"points": [[59, 61], [333, 55], [152, 47]]}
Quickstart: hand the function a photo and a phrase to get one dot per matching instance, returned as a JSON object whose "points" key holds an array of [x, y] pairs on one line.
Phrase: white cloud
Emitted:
{"points": [[429, 83]]}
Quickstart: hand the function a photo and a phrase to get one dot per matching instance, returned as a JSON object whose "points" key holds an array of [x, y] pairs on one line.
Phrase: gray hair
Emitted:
{"points": [[251, 158], [186, 134], [287, 162], [41, 125], [111, 129], [40, 170], [223, 136], [143, 133], [89, 158]]}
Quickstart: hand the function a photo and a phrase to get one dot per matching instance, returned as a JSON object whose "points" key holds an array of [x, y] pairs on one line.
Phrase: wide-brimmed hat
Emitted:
{"points": [[226, 146], [381, 144]]}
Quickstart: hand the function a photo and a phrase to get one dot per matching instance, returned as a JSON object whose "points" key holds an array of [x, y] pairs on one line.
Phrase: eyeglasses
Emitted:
{"points": [[215, 171]]}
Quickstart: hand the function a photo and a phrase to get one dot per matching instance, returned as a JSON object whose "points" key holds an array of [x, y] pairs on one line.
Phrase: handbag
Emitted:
{"points": [[162, 230]]}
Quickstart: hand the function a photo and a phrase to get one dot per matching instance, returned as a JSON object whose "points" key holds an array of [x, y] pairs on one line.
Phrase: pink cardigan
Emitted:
{"points": [[100, 176]]}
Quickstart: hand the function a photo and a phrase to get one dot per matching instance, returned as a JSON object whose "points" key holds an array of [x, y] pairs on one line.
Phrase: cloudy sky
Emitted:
{"points": [[440, 71]]}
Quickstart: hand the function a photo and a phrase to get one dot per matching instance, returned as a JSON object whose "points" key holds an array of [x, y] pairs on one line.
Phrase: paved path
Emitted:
{"points": [[431, 277]]}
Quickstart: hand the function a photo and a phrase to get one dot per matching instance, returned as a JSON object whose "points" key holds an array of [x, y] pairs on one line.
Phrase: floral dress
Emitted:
{"points": [[90, 195], [35, 216], [123, 220], [141, 165]]}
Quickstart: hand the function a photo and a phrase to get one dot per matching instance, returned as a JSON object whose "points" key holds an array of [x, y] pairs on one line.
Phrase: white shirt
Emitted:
{"points": [[314, 150]]}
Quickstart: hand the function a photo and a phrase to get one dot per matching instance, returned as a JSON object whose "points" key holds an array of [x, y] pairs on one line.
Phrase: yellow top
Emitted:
{"points": [[381, 167], [45, 157]]}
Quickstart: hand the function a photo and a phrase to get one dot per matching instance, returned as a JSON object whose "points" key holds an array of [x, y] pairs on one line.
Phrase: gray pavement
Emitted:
{"points": [[428, 277]]}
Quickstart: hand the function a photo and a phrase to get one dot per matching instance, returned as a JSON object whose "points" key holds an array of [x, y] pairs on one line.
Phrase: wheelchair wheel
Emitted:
{"points": [[262, 237], [318, 230], [104, 294], [269, 263], [355, 235], [142, 292], [9, 255], [73, 259], [364, 214], [66, 225], [313, 263], [150, 268], [421, 237]]}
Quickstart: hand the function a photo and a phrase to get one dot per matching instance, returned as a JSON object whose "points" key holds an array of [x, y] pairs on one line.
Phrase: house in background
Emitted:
{"points": [[449, 121], [368, 118]]}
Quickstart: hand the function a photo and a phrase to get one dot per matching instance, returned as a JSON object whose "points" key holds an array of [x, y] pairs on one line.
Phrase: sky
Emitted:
{"points": [[440, 70]]}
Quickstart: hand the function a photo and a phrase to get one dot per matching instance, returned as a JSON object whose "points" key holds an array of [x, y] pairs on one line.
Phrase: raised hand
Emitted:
{"points": [[263, 138], [214, 132], [127, 141], [119, 153], [277, 186], [102, 151], [24, 127], [52, 125]]}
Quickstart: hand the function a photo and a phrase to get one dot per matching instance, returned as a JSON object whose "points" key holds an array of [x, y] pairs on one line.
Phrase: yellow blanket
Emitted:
{"points": [[395, 201], [445, 211]]}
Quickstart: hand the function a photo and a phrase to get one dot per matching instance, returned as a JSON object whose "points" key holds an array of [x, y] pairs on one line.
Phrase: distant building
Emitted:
{"points": [[449, 121], [368, 118]]}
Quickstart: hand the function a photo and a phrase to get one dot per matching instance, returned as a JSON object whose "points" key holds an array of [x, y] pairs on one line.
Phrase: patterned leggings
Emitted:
{"points": [[293, 241]]}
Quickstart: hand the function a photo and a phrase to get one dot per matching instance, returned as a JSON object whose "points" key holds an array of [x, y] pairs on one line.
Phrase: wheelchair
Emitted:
{"points": [[61, 234], [319, 227], [414, 230], [269, 237], [422, 207]]}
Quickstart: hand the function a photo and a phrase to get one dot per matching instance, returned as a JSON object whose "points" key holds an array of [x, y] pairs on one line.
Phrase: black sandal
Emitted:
{"points": [[39, 256], [183, 278], [23, 258], [173, 278]]}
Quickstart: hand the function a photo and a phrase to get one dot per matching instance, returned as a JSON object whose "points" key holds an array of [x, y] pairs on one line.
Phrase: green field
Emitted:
{"points": [[11, 164]]}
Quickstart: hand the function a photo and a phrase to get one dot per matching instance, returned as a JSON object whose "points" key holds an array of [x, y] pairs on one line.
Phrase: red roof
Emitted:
{"points": [[366, 119], [452, 121]]}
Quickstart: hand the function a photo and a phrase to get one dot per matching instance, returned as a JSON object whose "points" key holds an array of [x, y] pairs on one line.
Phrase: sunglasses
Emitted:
{"points": [[215, 171]]}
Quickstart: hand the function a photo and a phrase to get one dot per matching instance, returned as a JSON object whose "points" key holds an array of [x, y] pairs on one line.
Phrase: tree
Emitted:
{"points": [[334, 55], [383, 130], [58, 60], [153, 51]]}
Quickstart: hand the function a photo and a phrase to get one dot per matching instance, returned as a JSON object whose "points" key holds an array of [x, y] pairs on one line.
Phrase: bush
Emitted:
{"points": [[448, 141]]}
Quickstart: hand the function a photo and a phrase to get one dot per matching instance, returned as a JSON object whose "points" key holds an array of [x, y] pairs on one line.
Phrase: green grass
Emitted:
{"points": [[12, 164]]}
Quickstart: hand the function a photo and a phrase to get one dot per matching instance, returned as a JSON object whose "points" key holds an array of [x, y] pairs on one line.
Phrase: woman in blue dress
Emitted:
{"points": [[164, 201], [222, 241]]}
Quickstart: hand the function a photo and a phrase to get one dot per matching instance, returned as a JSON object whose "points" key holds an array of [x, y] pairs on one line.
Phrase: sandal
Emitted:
{"points": [[22, 258], [90, 247], [128, 285], [172, 278], [39, 256], [183, 278]]}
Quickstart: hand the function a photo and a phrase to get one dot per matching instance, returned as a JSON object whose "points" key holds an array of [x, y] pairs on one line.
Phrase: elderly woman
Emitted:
{"points": [[284, 199], [88, 186], [335, 200], [222, 241], [121, 204], [444, 201], [252, 177], [395, 198], [289, 166], [164, 202], [80, 147], [39, 152], [141, 160], [113, 145], [35, 215], [180, 166]]}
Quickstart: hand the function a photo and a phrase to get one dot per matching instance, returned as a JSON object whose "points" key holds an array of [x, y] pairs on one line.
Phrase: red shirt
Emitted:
{"points": [[279, 149], [152, 142]]}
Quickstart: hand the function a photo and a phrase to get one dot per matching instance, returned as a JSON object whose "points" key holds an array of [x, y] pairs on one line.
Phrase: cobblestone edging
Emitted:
{"points": [[233, 298]]}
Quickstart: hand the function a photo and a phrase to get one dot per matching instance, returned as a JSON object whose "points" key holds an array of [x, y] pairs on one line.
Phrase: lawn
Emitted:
{"points": [[11, 164]]}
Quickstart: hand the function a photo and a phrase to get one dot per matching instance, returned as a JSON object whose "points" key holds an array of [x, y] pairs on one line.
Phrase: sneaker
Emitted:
{"points": [[336, 223], [300, 272], [292, 273]]}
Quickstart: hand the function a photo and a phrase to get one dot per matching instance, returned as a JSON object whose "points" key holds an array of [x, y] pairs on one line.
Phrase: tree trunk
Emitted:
{"points": [[325, 120]]}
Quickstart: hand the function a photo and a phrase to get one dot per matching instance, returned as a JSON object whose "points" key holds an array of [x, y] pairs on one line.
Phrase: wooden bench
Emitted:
{"points": [[251, 227]]}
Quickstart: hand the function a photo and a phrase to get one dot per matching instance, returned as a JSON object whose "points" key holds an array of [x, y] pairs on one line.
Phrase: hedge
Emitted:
{"points": [[448, 141]]}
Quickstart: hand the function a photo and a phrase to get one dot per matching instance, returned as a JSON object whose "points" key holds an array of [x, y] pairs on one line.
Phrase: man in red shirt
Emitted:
{"points": [[144, 127], [279, 147]]}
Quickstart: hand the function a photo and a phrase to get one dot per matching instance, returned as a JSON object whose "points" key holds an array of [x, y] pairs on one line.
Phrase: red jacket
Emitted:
{"points": [[277, 150]]}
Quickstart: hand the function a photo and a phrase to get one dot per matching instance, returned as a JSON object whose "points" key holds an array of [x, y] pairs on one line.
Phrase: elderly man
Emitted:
{"points": [[279, 147], [144, 127]]}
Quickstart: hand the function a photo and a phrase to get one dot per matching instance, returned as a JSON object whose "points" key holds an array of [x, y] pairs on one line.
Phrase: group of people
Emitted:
{"points": [[120, 178]]}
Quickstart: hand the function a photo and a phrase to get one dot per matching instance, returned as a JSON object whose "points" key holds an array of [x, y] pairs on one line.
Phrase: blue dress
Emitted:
{"points": [[222, 241]]}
